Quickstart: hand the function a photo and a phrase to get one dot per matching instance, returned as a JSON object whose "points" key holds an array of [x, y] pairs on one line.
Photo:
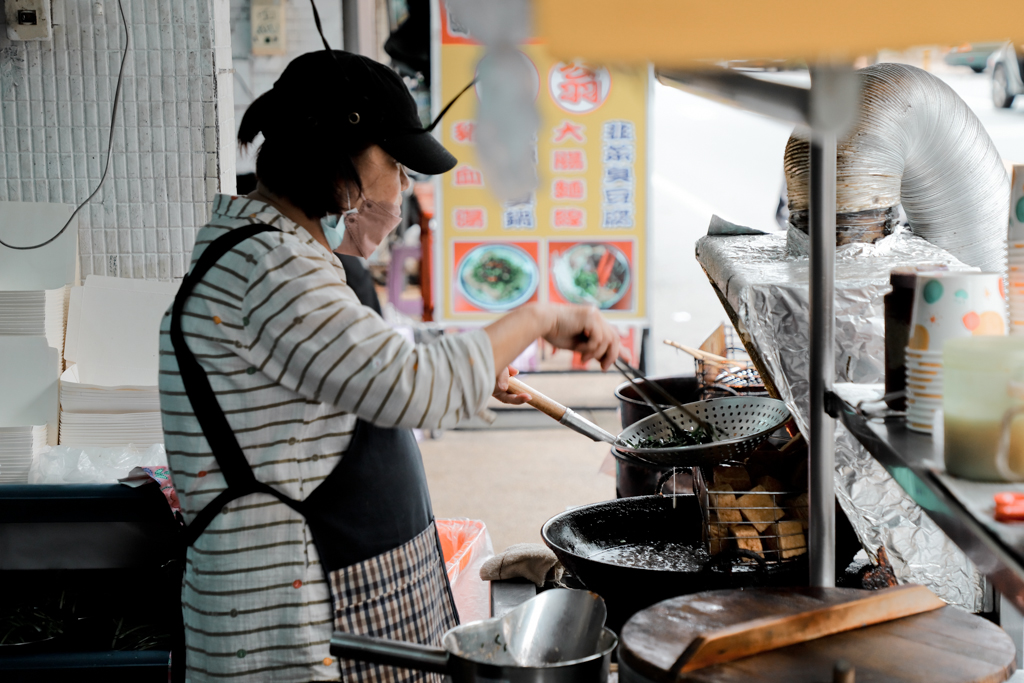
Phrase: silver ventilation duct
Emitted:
{"points": [[917, 142]]}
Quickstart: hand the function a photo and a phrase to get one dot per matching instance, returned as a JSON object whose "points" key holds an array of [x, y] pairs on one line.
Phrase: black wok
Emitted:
{"points": [[577, 535]]}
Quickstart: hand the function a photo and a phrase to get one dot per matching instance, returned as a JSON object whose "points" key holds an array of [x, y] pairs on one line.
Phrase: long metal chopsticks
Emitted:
{"points": [[633, 376]]}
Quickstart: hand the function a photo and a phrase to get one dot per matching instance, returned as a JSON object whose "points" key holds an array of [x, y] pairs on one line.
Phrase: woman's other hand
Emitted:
{"points": [[501, 390], [577, 328], [584, 330]]}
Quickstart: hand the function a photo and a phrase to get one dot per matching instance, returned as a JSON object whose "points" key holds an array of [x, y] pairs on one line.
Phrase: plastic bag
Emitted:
{"points": [[466, 546], [92, 464]]}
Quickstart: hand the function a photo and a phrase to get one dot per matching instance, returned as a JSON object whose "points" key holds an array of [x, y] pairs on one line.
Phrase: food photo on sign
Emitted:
{"points": [[494, 277], [597, 273]]}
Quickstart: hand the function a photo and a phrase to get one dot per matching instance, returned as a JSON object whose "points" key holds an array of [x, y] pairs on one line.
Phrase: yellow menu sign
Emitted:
{"points": [[581, 237]]}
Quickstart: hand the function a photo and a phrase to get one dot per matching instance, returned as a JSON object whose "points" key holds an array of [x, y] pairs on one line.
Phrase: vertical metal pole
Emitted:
{"points": [[350, 25], [359, 27], [822, 234]]}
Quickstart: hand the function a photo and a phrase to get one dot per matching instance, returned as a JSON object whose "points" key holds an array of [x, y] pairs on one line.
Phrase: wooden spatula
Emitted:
{"points": [[760, 635]]}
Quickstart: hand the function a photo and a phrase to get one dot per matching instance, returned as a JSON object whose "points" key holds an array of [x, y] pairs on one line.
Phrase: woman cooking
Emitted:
{"points": [[287, 404]]}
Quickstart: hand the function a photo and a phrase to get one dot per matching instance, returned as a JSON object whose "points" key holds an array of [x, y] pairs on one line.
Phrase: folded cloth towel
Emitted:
{"points": [[523, 560]]}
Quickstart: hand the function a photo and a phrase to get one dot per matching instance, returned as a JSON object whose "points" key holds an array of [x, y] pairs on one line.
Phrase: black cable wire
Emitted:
{"points": [[319, 28], [110, 141], [449, 106]]}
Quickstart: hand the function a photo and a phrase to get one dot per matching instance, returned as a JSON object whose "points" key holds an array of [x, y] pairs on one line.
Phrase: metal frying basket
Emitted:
{"points": [[727, 527], [742, 423], [734, 377]]}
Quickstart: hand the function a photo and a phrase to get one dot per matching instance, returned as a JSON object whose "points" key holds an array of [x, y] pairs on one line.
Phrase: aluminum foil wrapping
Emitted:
{"points": [[767, 288]]}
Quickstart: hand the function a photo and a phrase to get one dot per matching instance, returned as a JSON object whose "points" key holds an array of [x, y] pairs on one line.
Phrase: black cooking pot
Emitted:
{"points": [[632, 408], [633, 476], [577, 535]]}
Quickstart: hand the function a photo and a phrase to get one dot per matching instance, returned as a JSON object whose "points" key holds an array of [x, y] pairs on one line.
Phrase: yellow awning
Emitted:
{"points": [[680, 32]]}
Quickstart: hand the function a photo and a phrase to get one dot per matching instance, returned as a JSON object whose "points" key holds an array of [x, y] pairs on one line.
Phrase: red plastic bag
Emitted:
{"points": [[466, 546]]}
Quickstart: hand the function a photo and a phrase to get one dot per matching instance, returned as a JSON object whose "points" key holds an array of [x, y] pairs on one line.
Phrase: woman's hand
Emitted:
{"points": [[501, 391], [584, 330], [577, 328]]}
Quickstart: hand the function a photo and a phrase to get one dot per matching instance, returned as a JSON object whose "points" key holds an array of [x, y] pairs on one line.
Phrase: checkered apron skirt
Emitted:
{"points": [[402, 594]]}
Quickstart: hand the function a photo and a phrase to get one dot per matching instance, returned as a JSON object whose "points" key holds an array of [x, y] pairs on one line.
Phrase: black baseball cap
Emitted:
{"points": [[353, 97]]}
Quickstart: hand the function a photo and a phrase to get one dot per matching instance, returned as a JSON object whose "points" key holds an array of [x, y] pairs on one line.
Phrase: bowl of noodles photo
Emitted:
{"points": [[497, 277], [592, 273]]}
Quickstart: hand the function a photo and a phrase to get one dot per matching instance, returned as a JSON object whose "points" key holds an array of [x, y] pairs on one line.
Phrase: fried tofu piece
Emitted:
{"points": [[758, 508], [718, 537], [722, 502], [770, 483], [736, 477], [798, 509], [747, 538], [787, 538]]}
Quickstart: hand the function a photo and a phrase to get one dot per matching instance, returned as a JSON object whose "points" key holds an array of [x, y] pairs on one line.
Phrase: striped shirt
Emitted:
{"points": [[293, 359]]}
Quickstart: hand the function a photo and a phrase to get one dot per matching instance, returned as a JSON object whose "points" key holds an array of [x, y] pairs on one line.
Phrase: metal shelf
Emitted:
{"points": [[962, 509]]}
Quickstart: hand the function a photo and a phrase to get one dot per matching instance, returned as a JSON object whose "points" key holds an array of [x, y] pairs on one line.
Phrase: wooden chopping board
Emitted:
{"points": [[946, 645]]}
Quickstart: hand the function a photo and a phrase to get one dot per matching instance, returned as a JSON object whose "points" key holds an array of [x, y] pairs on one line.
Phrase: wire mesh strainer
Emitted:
{"points": [[742, 424]]}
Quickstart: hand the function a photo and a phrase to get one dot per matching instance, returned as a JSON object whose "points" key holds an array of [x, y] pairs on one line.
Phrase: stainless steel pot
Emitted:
{"points": [[557, 637]]}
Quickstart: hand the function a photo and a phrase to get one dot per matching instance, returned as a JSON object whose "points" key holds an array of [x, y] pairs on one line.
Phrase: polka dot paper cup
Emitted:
{"points": [[948, 305]]}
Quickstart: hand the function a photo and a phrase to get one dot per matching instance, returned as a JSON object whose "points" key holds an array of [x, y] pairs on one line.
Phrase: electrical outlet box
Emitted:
{"points": [[28, 19], [268, 27]]}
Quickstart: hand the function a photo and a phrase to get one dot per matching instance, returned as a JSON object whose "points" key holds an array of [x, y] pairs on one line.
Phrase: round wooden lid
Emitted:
{"points": [[947, 645]]}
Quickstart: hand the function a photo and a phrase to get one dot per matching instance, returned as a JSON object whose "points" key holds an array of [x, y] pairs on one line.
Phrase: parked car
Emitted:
{"points": [[1007, 65], [974, 55]]}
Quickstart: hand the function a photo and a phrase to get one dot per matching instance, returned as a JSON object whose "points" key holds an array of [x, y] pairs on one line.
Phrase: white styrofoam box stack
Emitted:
{"points": [[34, 287], [114, 329], [109, 397], [111, 429], [77, 397], [39, 313], [18, 447], [29, 383], [32, 278]]}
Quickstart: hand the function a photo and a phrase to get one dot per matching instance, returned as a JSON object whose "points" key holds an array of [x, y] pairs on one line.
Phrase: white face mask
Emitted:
{"points": [[332, 231]]}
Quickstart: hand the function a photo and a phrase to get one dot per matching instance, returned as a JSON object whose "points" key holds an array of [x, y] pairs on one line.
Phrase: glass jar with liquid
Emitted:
{"points": [[983, 408]]}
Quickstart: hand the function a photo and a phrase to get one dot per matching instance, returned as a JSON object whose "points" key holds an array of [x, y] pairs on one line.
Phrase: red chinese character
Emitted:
{"points": [[580, 84], [469, 218], [464, 131], [569, 129], [568, 189], [467, 176], [569, 218], [569, 160]]}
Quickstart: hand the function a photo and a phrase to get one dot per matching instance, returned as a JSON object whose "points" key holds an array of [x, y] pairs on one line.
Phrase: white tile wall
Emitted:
{"points": [[256, 75], [173, 127]]}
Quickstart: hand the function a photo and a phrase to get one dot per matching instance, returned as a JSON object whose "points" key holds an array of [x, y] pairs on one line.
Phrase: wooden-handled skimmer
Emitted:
{"points": [[730, 438], [564, 416]]}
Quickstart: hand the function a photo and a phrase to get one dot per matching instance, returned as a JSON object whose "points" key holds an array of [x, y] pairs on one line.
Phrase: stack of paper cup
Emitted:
{"points": [[1015, 252], [924, 388], [947, 305]]}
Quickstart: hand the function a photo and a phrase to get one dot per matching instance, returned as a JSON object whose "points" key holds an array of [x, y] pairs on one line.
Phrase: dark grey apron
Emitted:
{"points": [[374, 500]]}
